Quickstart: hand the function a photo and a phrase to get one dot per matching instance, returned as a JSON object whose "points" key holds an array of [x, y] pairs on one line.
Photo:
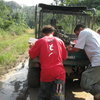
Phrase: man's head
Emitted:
{"points": [[78, 29], [48, 29]]}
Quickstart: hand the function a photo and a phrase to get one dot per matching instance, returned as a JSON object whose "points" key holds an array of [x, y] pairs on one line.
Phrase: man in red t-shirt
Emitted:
{"points": [[52, 52]]}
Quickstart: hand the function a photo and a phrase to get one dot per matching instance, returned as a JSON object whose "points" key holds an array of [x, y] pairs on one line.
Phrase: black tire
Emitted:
{"points": [[34, 77], [33, 74]]}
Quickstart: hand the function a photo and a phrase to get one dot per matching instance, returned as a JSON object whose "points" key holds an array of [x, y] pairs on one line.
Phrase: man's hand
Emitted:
{"points": [[69, 48], [32, 42], [72, 49]]}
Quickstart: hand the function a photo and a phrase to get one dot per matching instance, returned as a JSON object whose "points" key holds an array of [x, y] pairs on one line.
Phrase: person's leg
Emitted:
{"points": [[97, 96], [44, 92], [95, 88], [58, 90], [96, 91], [90, 80]]}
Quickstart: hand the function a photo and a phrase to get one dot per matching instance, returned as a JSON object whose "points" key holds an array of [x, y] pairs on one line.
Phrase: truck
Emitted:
{"points": [[64, 19]]}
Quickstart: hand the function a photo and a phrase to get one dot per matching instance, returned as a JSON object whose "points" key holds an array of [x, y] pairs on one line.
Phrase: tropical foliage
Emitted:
{"points": [[13, 33], [88, 3]]}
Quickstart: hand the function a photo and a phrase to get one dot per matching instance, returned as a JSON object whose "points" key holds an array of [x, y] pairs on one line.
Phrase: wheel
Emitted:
{"points": [[34, 77], [33, 74]]}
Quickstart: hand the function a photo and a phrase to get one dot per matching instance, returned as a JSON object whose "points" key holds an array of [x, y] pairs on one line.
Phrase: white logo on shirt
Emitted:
{"points": [[51, 49]]}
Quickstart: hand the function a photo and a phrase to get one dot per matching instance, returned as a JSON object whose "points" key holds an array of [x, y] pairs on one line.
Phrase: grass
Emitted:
{"points": [[11, 47]]}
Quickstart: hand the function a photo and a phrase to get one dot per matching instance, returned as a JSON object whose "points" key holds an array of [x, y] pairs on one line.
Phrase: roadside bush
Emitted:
{"points": [[11, 48], [17, 29]]}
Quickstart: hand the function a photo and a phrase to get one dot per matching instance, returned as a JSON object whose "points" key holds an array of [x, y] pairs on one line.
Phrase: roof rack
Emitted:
{"points": [[62, 9]]}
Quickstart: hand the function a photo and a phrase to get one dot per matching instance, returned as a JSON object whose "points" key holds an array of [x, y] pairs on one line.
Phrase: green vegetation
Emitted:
{"points": [[87, 3], [13, 34], [68, 22], [15, 20], [11, 47]]}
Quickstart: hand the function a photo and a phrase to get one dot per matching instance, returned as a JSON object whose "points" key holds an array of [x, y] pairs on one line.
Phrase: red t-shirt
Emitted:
{"points": [[51, 52]]}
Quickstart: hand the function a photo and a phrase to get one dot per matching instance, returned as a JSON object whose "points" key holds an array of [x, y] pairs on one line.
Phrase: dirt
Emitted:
{"points": [[9, 70], [12, 84]]}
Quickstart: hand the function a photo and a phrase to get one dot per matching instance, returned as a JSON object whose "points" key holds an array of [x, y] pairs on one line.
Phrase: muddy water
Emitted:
{"points": [[12, 84]]}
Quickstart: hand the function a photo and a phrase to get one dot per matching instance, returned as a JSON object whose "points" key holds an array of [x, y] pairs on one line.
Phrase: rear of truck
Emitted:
{"points": [[64, 19]]}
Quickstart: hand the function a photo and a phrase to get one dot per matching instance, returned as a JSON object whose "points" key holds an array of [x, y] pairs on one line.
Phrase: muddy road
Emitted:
{"points": [[12, 83], [14, 87]]}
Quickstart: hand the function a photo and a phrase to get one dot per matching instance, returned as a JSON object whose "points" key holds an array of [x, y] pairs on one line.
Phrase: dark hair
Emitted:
{"points": [[77, 28], [48, 29], [98, 30]]}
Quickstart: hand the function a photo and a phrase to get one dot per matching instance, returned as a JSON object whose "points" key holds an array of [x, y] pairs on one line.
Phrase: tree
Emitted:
{"points": [[92, 3], [5, 15], [56, 2]]}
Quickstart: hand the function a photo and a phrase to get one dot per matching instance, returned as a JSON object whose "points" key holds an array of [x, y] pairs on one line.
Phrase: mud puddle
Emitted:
{"points": [[13, 83]]}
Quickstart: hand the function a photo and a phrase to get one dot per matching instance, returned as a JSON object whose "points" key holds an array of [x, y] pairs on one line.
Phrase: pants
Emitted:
{"points": [[52, 90], [90, 80]]}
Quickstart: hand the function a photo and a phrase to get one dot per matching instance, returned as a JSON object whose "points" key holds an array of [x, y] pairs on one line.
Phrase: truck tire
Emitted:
{"points": [[33, 74], [34, 77]]}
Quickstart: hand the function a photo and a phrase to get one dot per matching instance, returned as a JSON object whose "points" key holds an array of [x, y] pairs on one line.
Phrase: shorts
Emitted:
{"points": [[52, 90]]}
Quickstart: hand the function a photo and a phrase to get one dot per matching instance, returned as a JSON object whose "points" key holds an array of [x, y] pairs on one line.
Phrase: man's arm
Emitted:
{"points": [[81, 42], [34, 51], [64, 52]]}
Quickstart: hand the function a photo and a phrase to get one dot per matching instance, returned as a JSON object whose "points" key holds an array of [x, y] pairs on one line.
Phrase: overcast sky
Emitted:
{"points": [[31, 2]]}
